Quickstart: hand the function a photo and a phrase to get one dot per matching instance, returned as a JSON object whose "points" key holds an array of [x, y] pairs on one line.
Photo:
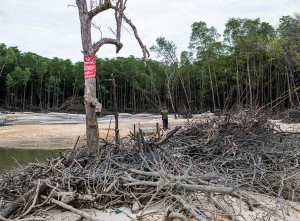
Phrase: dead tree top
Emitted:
{"points": [[96, 7]]}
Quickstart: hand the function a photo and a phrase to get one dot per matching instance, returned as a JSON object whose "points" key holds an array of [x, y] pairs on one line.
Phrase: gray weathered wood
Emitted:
{"points": [[90, 49]]}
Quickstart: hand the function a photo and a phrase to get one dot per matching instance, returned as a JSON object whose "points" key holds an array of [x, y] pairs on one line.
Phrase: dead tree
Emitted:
{"points": [[115, 103], [89, 50]]}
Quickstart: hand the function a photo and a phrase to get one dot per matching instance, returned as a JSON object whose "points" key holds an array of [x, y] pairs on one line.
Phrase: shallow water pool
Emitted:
{"points": [[11, 158]]}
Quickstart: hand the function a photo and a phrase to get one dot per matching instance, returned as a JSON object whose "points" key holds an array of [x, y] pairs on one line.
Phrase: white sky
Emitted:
{"points": [[51, 29]]}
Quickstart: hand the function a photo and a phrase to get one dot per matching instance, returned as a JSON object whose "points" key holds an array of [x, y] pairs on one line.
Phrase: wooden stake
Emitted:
{"points": [[134, 132], [158, 130]]}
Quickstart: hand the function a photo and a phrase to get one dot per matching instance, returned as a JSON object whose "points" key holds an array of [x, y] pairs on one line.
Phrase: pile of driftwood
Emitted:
{"points": [[73, 104], [291, 116], [201, 170]]}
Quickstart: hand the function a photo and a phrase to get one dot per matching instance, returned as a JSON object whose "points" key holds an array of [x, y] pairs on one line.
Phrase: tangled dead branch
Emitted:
{"points": [[196, 171], [291, 116]]}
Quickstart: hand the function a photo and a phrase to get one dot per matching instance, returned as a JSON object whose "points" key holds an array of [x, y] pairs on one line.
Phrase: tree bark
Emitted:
{"points": [[92, 131], [249, 83], [212, 87], [114, 87], [90, 49], [238, 83], [170, 95]]}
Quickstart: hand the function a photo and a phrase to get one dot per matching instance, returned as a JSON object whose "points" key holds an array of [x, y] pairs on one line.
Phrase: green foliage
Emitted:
{"points": [[166, 50], [9, 81], [211, 74], [202, 36]]}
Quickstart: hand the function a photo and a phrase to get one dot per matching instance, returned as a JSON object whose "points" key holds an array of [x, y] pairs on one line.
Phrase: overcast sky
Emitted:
{"points": [[51, 29]]}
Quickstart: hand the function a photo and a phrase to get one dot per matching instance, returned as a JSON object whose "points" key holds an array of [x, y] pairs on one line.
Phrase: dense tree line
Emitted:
{"points": [[252, 65], [30, 81]]}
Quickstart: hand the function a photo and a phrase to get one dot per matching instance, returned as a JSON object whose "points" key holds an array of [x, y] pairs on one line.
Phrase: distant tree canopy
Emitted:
{"points": [[254, 65]]}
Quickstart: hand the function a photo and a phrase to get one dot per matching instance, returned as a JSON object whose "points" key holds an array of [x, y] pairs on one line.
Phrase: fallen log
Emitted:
{"points": [[72, 209], [164, 139]]}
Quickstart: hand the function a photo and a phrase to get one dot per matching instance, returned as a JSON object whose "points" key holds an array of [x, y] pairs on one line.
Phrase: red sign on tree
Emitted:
{"points": [[89, 67]]}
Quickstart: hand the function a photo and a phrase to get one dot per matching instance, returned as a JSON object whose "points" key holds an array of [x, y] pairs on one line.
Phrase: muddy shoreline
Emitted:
{"points": [[28, 130]]}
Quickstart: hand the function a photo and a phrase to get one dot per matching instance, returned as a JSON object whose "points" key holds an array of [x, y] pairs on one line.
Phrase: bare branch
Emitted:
{"points": [[146, 53], [98, 27], [82, 7], [71, 6], [72, 209], [112, 31], [102, 7], [98, 44], [119, 18]]}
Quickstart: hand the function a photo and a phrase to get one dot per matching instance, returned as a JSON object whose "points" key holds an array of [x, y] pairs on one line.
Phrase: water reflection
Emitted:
{"points": [[10, 158]]}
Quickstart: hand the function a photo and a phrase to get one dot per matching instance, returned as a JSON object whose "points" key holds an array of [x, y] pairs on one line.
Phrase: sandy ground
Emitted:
{"points": [[61, 131], [272, 210]]}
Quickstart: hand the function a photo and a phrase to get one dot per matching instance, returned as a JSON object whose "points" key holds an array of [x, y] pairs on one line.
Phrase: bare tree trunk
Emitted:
{"points": [[289, 87], [7, 100], [57, 93], [134, 99], [292, 81], [125, 96], [270, 85], [3, 66], [40, 93], [48, 98], [54, 94], [90, 49], [185, 93], [31, 95], [249, 83], [294, 87], [212, 88], [114, 87], [238, 83], [170, 95], [202, 89], [92, 131], [16, 95], [217, 88], [24, 96]]}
